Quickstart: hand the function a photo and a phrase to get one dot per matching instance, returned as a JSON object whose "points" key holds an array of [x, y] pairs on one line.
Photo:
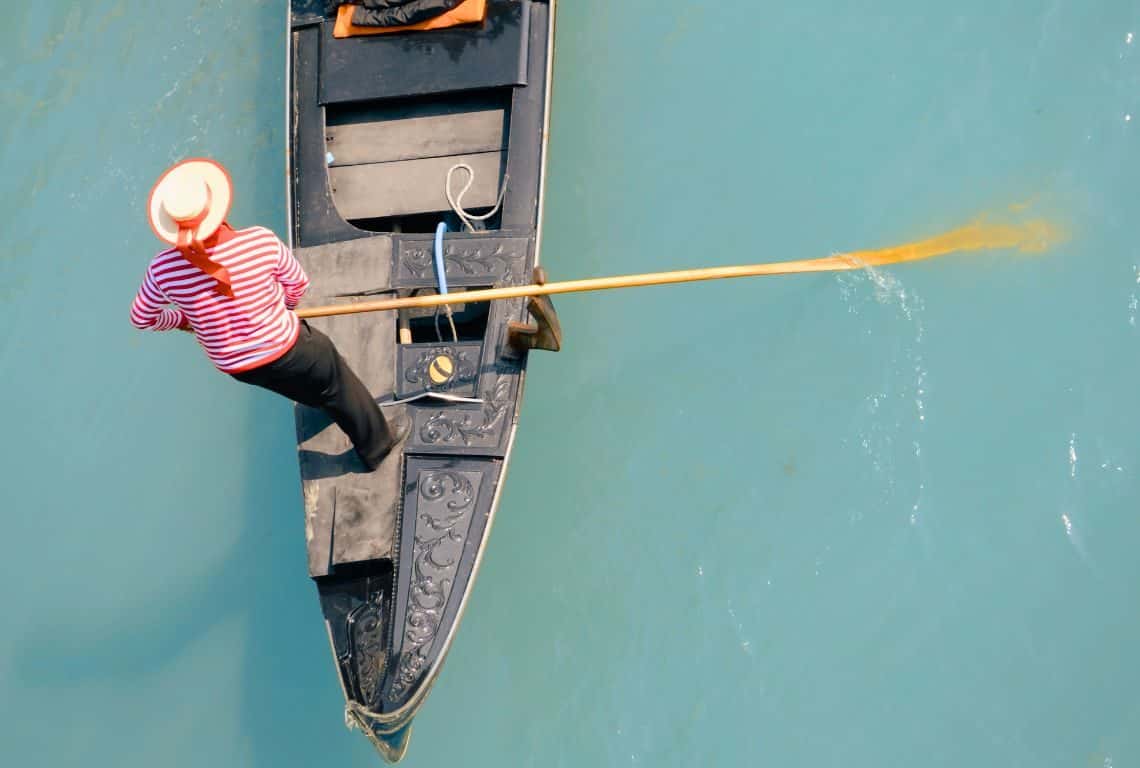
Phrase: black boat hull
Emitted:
{"points": [[372, 124]]}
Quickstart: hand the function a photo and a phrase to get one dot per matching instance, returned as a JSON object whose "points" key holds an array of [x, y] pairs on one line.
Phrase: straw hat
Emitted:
{"points": [[193, 195]]}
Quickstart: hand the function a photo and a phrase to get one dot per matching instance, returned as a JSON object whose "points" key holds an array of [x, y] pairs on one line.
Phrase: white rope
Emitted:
{"points": [[456, 201]]}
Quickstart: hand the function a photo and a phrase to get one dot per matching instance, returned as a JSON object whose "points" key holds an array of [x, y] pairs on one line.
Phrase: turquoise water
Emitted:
{"points": [[871, 519]]}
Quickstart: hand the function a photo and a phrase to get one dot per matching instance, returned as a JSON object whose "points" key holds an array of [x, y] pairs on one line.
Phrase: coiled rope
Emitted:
{"points": [[456, 201]]}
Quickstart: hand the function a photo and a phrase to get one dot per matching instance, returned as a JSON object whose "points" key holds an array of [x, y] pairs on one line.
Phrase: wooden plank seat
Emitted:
{"points": [[391, 160]]}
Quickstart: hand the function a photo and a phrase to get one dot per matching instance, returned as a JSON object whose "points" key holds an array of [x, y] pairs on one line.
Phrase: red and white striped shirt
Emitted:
{"points": [[253, 328]]}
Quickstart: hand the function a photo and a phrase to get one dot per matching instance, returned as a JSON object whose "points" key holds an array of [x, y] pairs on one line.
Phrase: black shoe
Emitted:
{"points": [[400, 431]]}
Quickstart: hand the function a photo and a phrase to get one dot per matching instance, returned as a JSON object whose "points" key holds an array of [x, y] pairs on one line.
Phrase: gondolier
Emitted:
{"points": [[236, 290]]}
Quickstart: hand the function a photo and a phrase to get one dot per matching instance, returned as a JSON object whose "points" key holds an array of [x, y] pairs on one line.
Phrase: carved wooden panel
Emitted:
{"points": [[478, 260], [446, 505], [418, 368], [465, 429]]}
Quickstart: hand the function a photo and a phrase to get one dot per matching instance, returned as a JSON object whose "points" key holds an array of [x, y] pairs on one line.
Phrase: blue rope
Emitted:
{"points": [[440, 269], [441, 281]]}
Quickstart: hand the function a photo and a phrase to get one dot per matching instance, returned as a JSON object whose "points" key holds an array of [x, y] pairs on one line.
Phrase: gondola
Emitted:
{"points": [[391, 136]]}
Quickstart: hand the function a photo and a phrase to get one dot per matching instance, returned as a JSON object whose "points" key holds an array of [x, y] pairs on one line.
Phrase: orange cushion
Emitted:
{"points": [[467, 12]]}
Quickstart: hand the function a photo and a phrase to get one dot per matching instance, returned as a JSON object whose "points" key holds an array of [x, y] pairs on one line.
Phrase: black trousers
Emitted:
{"points": [[313, 373]]}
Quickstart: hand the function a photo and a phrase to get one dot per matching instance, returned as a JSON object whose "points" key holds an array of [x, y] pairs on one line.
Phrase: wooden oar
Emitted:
{"points": [[979, 235]]}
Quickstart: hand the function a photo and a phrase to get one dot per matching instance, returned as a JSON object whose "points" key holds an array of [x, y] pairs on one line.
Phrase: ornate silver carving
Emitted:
{"points": [[452, 425], [366, 623], [465, 368], [447, 500], [465, 259]]}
